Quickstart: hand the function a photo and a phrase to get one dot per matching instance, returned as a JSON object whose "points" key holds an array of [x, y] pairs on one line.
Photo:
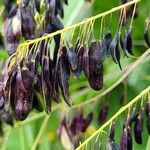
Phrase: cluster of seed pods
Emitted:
{"points": [[72, 130], [39, 74], [133, 125]]}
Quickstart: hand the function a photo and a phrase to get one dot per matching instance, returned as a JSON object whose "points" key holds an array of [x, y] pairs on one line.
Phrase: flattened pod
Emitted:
{"points": [[46, 83], [95, 67], [28, 22], [103, 114], [122, 44], [128, 41], [129, 134], [146, 36], [148, 124], [138, 128], [63, 75], [124, 140], [112, 48], [85, 61], [106, 43], [24, 93], [117, 53], [112, 132]]}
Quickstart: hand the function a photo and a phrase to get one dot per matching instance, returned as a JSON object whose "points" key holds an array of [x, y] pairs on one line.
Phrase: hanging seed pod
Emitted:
{"points": [[148, 124], [28, 22], [46, 84], [138, 128], [122, 44], [80, 53], [103, 114], [129, 139], [63, 74], [12, 30], [24, 93], [95, 67], [146, 35], [112, 48], [117, 53], [106, 41], [85, 61], [124, 140], [128, 41]]}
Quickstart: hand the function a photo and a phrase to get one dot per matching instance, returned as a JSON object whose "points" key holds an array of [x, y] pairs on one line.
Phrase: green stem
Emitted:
{"points": [[22, 145], [121, 110], [42, 129]]}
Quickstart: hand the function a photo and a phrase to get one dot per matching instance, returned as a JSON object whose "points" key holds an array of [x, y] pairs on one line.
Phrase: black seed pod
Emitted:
{"points": [[37, 5], [95, 67], [103, 114], [24, 93], [112, 48], [85, 61], [63, 73], [28, 22], [122, 44], [128, 41], [138, 128], [117, 53]]}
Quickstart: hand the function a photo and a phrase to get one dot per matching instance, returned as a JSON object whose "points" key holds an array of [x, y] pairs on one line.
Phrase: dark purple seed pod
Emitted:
{"points": [[95, 67], [112, 48], [85, 61], [1, 98], [103, 114], [12, 31], [138, 128], [24, 93], [146, 35], [106, 41], [28, 22], [128, 41], [72, 58], [148, 124], [122, 44], [129, 138], [80, 57], [124, 140], [63, 74]]}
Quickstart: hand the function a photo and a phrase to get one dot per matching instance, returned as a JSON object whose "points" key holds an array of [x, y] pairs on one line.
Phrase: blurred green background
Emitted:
{"points": [[23, 134]]}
